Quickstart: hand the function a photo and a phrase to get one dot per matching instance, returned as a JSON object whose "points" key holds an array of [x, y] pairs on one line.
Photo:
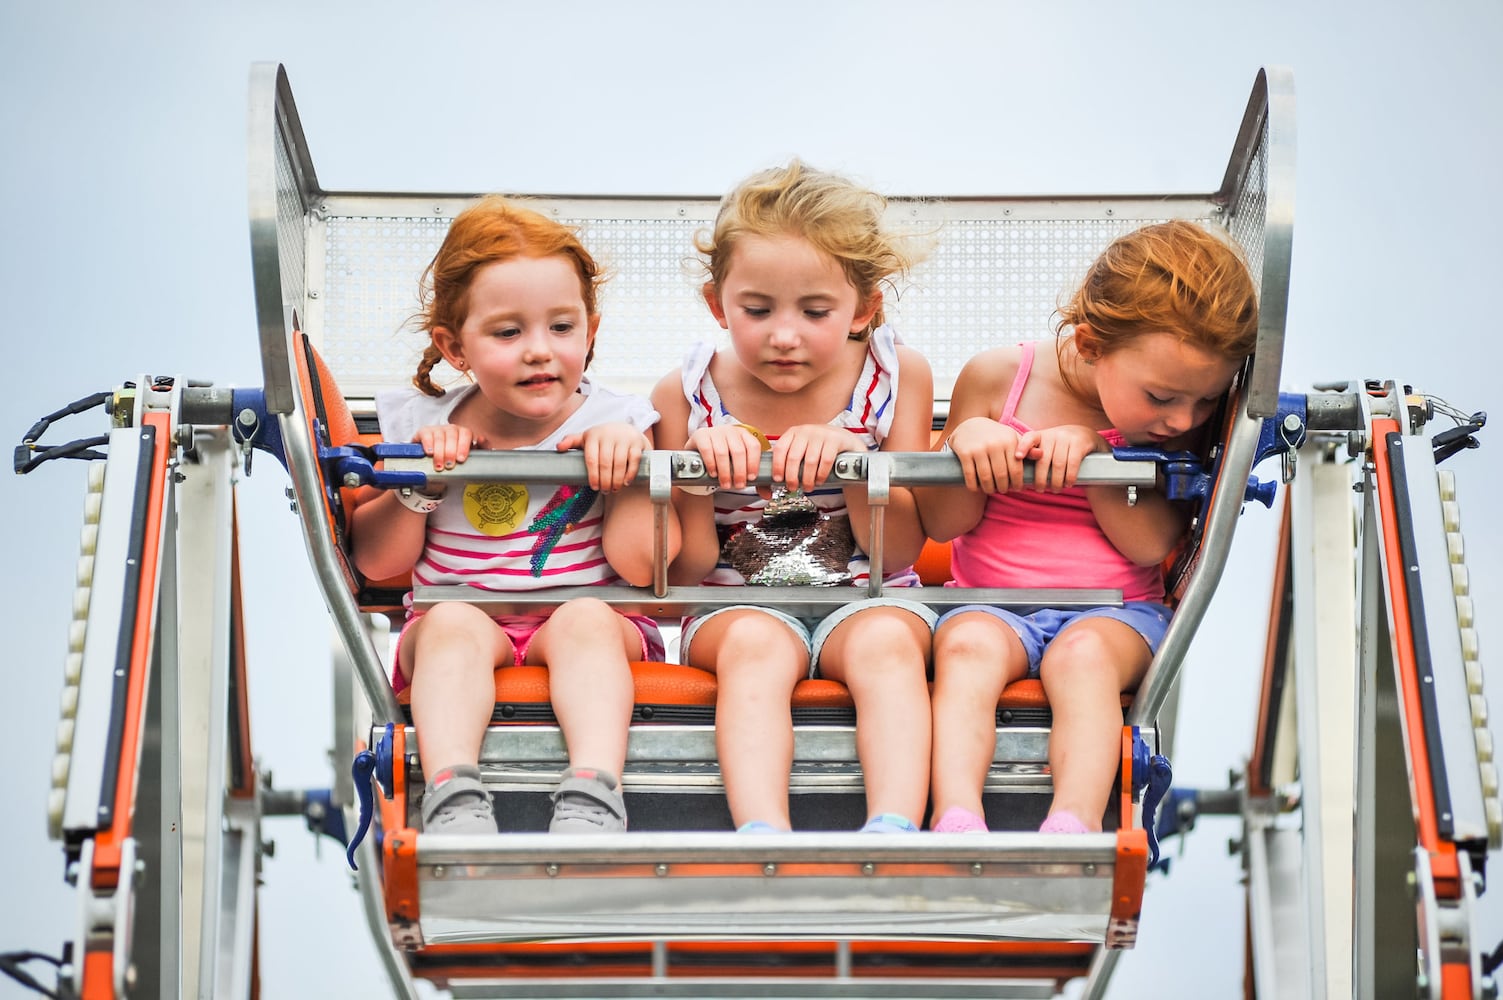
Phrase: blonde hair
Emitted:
{"points": [[493, 230], [1173, 277], [837, 217]]}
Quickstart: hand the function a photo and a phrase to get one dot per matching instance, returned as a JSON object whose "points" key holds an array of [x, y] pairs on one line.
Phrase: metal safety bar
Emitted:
{"points": [[662, 469]]}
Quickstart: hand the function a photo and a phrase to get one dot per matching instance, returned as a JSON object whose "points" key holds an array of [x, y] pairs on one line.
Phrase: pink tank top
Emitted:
{"points": [[1036, 540]]}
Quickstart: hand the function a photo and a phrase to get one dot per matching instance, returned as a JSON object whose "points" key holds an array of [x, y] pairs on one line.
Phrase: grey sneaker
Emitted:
{"points": [[459, 805], [587, 801]]}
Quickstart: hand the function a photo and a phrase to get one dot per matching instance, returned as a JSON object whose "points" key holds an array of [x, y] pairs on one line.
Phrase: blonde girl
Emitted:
{"points": [[794, 269]]}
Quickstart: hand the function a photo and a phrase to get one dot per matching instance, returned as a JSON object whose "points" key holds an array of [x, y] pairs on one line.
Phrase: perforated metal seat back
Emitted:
{"points": [[995, 270]]}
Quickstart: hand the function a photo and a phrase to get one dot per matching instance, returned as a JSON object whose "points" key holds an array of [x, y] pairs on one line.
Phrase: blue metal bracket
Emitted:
{"points": [[355, 465], [377, 764], [1186, 479], [254, 428], [1151, 776], [1285, 431], [322, 816]]}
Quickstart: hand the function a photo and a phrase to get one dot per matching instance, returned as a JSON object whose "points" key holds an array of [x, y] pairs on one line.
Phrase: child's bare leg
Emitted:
{"points": [[450, 655], [1085, 670], [587, 648], [757, 660], [976, 655], [881, 654]]}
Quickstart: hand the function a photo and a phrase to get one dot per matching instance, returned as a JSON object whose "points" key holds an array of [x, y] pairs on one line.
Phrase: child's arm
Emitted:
{"points": [[985, 447], [902, 532], [386, 536], [612, 454], [699, 547], [1145, 532]]}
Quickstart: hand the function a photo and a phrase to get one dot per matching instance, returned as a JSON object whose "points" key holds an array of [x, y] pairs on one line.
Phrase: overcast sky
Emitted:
{"points": [[125, 250]]}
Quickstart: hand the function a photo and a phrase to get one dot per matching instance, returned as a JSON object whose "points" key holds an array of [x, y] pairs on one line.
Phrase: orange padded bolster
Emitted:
{"points": [[656, 684], [933, 563], [1029, 693], [677, 684]]}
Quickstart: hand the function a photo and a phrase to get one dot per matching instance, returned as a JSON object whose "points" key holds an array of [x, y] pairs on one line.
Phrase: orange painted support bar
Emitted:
{"points": [[400, 875], [1443, 863], [107, 842], [97, 981], [1268, 709], [245, 786], [1042, 960], [1131, 870]]}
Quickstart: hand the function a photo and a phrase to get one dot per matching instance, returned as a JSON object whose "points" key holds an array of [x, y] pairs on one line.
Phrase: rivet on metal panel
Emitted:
{"points": [[769, 869], [976, 868], [313, 293], [660, 870], [868, 868], [439, 210], [1089, 868], [551, 870], [438, 871]]}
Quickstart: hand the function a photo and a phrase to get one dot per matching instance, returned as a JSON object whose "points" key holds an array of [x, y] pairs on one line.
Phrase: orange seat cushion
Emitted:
{"points": [[933, 564], [677, 684], [656, 684]]}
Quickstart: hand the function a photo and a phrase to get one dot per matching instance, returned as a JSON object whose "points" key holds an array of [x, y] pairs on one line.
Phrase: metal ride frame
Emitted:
{"points": [[158, 805]]}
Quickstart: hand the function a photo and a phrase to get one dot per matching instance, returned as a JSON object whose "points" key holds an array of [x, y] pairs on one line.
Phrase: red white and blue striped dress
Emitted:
{"points": [[868, 416]]}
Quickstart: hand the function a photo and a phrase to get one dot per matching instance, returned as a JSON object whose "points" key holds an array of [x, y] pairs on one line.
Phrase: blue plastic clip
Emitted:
{"points": [[369, 764], [1151, 776]]}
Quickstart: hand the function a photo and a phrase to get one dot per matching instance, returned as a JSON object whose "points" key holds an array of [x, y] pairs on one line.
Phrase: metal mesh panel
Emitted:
{"points": [[372, 266], [986, 281], [291, 232], [1249, 214], [651, 309], [989, 283]]}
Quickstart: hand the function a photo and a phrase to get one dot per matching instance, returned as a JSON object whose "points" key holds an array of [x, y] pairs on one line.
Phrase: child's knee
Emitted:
{"points": [[758, 635], [585, 615], [455, 616], [887, 634], [969, 638]]}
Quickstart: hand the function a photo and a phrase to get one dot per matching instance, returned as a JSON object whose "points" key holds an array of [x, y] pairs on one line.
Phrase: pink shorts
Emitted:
{"points": [[521, 628]]}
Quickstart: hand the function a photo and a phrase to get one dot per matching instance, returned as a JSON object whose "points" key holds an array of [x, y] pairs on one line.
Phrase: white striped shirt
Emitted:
{"points": [[500, 536]]}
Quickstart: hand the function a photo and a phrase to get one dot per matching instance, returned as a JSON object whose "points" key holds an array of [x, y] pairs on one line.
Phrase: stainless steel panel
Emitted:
{"points": [[540, 886]]}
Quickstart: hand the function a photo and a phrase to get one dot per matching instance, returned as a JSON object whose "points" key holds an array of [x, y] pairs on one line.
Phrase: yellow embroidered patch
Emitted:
{"points": [[495, 509]]}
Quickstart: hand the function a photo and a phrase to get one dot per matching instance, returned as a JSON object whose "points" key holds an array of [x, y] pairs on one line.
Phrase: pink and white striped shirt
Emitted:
{"points": [[496, 535]]}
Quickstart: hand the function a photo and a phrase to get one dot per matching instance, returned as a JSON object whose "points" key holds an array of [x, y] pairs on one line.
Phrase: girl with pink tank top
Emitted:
{"points": [[1145, 350]]}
